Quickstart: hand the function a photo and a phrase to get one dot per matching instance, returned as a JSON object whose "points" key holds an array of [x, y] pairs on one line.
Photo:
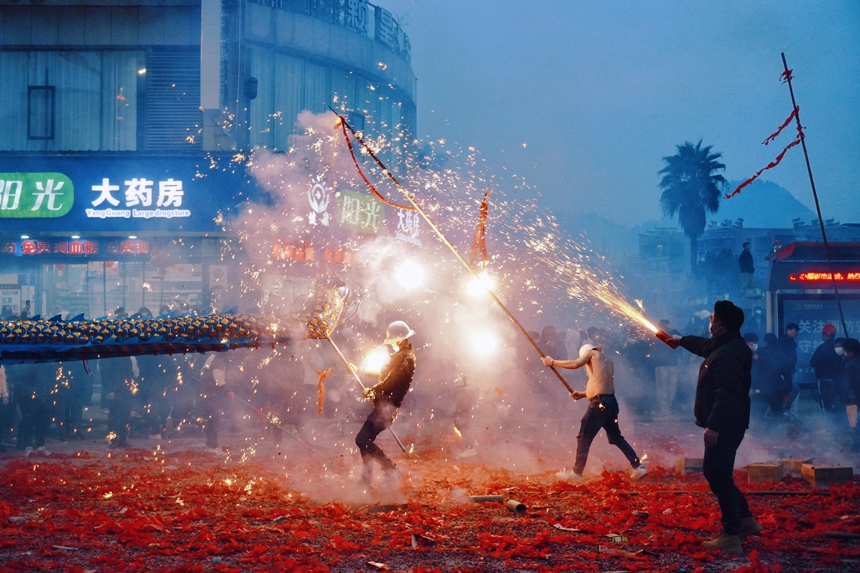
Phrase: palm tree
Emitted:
{"points": [[690, 187]]}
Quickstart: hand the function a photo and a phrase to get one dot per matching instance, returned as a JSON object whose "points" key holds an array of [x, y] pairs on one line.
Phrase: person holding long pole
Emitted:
{"points": [[387, 395]]}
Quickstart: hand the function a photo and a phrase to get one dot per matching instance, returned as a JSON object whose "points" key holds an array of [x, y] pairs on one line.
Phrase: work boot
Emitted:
{"points": [[728, 543], [749, 526]]}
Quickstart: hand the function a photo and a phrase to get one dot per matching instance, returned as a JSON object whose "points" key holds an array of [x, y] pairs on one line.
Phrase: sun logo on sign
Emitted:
{"points": [[318, 199]]}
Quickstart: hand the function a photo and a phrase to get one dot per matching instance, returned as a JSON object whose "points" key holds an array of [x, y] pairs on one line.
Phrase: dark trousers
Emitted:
{"points": [[718, 467], [69, 415], [379, 420], [602, 413], [119, 418], [214, 405], [35, 420], [155, 411]]}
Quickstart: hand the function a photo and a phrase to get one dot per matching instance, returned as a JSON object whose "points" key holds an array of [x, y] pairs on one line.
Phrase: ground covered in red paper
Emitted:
{"points": [[172, 507]]}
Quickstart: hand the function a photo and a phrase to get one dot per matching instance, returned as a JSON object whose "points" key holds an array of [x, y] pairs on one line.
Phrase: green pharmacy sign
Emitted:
{"points": [[35, 195], [362, 213]]}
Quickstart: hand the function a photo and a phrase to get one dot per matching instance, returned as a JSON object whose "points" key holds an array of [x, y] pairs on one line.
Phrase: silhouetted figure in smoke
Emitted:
{"points": [[745, 260], [635, 356], [7, 408], [602, 412], [142, 313], [768, 375], [788, 347], [551, 345], [757, 404], [154, 404], [723, 409], [827, 365], [33, 386], [215, 395], [757, 322], [119, 386], [851, 374], [387, 396], [75, 391], [184, 393]]}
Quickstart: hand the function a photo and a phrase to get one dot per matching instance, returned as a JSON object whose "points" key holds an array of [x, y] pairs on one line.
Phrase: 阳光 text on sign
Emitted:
{"points": [[35, 195]]}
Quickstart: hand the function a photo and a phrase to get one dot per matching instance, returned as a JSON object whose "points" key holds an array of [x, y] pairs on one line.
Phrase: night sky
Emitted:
{"points": [[584, 98]]}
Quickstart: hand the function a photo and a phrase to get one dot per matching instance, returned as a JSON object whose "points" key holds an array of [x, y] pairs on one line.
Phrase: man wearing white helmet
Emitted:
{"points": [[602, 412], [387, 396]]}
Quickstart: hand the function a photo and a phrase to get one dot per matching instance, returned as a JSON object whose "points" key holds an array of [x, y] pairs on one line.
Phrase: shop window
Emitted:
{"points": [[41, 105]]}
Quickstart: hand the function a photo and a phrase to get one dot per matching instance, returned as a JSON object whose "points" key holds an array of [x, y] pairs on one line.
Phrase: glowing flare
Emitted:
{"points": [[409, 275], [375, 360], [482, 284], [484, 342]]}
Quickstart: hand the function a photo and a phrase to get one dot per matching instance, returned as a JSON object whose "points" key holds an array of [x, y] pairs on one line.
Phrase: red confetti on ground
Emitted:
{"points": [[138, 510]]}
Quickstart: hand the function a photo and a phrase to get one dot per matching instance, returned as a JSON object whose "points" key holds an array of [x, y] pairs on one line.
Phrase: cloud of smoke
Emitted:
{"points": [[476, 371]]}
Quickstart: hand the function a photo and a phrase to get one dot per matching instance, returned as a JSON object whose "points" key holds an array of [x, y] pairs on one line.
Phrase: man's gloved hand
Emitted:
{"points": [[352, 367], [676, 337], [368, 393]]}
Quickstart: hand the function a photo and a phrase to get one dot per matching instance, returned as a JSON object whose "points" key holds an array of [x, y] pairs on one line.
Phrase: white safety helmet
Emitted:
{"points": [[585, 349], [397, 331]]}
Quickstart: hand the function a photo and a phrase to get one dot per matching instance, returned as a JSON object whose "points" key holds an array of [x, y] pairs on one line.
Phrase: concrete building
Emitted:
{"points": [[125, 123]]}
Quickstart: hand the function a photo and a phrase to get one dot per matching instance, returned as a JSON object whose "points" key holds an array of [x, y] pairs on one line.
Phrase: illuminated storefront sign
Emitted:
{"points": [[362, 213], [407, 226], [34, 247], [319, 197], [287, 250], [87, 194], [138, 193], [35, 195], [816, 276]]}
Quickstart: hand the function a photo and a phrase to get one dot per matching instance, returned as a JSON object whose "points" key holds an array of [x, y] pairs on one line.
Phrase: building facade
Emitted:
{"points": [[127, 122]]}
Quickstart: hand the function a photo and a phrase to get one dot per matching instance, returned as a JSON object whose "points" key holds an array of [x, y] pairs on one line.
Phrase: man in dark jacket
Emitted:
{"points": [[827, 365], [722, 408], [851, 374], [387, 396], [745, 261], [788, 347]]}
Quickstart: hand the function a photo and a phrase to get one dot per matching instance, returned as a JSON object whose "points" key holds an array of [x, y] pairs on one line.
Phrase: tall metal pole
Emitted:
{"points": [[814, 193], [453, 250]]}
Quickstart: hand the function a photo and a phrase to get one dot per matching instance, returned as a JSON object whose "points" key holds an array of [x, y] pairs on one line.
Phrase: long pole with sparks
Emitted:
{"points": [[363, 387], [447, 243]]}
